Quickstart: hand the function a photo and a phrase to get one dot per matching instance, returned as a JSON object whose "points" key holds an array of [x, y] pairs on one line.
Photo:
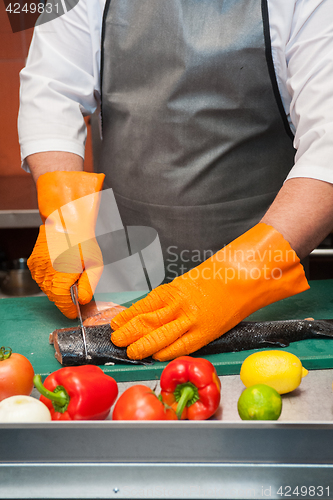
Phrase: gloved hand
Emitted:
{"points": [[66, 250], [179, 318]]}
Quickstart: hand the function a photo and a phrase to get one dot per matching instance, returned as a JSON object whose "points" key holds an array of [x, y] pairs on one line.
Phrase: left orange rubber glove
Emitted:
{"points": [[178, 318], [66, 250]]}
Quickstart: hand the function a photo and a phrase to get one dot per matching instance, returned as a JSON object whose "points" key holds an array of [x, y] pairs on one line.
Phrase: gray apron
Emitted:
{"points": [[195, 139]]}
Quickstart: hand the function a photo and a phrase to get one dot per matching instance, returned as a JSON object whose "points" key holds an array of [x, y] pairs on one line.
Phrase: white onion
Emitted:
{"points": [[23, 409]]}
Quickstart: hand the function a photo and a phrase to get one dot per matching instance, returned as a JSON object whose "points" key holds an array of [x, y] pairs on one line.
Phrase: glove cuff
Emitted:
{"points": [[260, 268], [55, 189]]}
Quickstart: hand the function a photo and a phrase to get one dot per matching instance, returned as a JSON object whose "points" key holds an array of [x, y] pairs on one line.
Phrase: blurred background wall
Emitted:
{"points": [[18, 232]]}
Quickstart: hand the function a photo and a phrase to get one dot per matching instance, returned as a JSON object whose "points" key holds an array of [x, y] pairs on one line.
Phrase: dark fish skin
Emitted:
{"points": [[256, 335], [68, 344], [246, 335]]}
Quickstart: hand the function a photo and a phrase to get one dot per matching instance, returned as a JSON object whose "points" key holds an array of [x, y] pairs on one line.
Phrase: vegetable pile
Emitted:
{"points": [[190, 389]]}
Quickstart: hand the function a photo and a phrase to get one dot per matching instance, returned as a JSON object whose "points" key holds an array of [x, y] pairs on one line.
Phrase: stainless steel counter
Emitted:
{"points": [[220, 458]]}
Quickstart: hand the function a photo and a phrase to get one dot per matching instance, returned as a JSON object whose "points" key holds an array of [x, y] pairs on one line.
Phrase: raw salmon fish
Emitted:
{"points": [[104, 317], [256, 335], [95, 308], [69, 347], [246, 335]]}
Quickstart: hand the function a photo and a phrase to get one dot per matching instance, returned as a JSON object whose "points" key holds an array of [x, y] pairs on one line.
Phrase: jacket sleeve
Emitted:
{"points": [[309, 77], [60, 82]]}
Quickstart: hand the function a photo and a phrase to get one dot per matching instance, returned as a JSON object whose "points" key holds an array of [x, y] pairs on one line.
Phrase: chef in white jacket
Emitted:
{"points": [[217, 116]]}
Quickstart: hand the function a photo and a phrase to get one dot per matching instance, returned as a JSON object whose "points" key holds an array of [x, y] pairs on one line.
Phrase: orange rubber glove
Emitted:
{"points": [[66, 250], [179, 318]]}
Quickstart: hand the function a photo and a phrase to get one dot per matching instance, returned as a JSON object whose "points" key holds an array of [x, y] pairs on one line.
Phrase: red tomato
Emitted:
{"points": [[139, 402], [16, 375]]}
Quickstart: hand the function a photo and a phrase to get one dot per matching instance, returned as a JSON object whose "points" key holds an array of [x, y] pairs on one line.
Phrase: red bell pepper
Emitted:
{"points": [[78, 393], [191, 386]]}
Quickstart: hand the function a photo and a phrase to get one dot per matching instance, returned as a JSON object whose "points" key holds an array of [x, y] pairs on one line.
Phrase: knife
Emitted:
{"points": [[74, 295]]}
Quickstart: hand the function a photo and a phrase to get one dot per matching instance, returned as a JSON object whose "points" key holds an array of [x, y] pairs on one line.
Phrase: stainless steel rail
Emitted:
{"points": [[190, 460]]}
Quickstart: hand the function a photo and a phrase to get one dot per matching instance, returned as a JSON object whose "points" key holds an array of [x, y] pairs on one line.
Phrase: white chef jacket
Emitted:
{"points": [[61, 80]]}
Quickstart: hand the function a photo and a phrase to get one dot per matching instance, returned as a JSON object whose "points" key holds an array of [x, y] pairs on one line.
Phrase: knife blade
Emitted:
{"points": [[74, 295]]}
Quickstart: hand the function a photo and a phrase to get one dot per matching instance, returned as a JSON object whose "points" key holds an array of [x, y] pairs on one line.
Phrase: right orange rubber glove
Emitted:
{"points": [[66, 250], [179, 318]]}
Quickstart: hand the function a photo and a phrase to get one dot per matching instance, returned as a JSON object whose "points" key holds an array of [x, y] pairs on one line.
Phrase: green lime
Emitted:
{"points": [[259, 402]]}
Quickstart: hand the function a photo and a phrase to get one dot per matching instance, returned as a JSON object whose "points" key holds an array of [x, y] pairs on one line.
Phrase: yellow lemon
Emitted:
{"points": [[279, 369], [259, 402]]}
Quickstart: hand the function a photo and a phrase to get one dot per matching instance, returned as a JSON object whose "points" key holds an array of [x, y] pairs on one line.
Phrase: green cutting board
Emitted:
{"points": [[26, 323]]}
